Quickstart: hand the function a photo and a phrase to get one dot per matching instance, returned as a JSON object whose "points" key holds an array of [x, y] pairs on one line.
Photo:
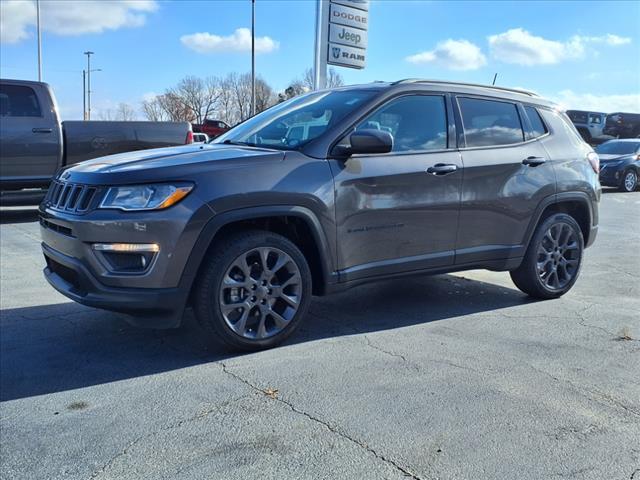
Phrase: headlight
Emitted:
{"points": [[145, 197]]}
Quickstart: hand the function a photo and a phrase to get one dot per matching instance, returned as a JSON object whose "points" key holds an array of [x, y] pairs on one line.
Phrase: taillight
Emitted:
{"points": [[189, 138], [594, 161]]}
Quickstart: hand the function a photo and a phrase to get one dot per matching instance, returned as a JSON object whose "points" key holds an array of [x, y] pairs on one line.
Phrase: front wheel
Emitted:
{"points": [[553, 259], [629, 181], [253, 290]]}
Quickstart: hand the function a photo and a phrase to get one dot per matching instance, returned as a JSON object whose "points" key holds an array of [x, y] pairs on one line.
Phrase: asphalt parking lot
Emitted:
{"points": [[447, 377]]}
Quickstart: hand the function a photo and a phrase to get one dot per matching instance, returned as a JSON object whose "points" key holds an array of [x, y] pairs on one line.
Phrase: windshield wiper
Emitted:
{"points": [[234, 142]]}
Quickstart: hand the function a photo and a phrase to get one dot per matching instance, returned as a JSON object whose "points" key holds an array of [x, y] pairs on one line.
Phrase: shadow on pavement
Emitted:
{"points": [[18, 216], [53, 348]]}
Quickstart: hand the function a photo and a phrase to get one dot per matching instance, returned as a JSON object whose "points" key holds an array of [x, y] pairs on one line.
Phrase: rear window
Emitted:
{"points": [[488, 122], [18, 101], [537, 125], [577, 117]]}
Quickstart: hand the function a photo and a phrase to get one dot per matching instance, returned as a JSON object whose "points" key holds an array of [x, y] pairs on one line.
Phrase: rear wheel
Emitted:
{"points": [[253, 290], [629, 181], [553, 259]]}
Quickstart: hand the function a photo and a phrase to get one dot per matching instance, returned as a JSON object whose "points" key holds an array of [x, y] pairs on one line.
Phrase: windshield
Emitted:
{"points": [[294, 123], [618, 148]]}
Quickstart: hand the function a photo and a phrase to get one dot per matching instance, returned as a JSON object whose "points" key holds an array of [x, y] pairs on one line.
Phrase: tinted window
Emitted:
{"points": [[577, 116], [417, 122], [538, 128], [615, 147], [18, 101], [486, 122]]}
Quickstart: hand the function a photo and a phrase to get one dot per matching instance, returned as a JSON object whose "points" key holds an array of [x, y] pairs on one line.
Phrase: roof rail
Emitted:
{"points": [[463, 84]]}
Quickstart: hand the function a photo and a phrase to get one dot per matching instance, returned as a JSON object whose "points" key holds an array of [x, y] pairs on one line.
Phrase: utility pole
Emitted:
{"points": [[253, 57], [84, 94], [88, 54], [39, 41]]}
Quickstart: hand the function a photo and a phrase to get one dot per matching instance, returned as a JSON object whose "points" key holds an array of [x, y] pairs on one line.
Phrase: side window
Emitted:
{"points": [[537, 125], [18, 101], [417, 122], [595, 118], [488, 122]]}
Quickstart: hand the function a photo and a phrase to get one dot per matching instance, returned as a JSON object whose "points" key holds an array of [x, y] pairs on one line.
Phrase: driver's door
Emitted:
{"points": [[394, 212]]}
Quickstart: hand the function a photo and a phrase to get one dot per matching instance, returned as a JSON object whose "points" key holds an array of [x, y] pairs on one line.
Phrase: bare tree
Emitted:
{"points": [[125, 112], [305, 84], [334, 79], [153, 110], [198, 95], [168, 107]]}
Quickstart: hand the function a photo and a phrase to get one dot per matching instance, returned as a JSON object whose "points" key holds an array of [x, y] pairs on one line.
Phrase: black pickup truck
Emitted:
{"points": [[34, 143]]}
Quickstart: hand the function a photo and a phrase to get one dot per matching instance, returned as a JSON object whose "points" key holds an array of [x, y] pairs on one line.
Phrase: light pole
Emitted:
{"points": [[84, 91], [39, 41], [88, 54], [253, 57]]}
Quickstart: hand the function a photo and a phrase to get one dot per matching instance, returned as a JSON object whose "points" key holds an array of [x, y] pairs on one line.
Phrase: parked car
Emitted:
{"points": [[405, 178], [213, 128], [34, 144], [623, 125], [200, 138], [620, 164], [590, 125]]}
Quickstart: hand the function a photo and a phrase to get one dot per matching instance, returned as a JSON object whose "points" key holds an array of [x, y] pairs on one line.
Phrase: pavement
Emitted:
{"points": [[446, 377]]}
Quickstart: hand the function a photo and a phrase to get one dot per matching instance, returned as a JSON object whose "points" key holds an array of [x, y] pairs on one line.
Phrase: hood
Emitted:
{"points": [[608, 157], [171, 163]]}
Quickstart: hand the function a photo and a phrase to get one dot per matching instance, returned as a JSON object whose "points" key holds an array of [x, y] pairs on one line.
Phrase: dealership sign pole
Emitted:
{"points": [[341, 36]]}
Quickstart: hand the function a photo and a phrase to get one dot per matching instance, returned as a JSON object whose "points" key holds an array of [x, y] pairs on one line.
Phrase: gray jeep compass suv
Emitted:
{"points": [[320, 193]]}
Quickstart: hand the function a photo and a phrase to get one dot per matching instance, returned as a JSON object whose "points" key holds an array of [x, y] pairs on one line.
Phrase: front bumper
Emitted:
{"points": [[610, 175], [156, 308], [156, 296]]}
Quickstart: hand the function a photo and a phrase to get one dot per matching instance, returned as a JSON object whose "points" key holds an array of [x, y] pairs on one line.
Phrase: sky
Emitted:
{"points": [[584, 55]]}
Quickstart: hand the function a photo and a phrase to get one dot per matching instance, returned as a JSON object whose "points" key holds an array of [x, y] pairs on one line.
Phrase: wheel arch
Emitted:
{"points": [[577, 204], [298, 224]]}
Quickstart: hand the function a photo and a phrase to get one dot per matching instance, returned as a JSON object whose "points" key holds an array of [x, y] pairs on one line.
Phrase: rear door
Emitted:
{"points": [[30, 149], [506, 175], [395, 211]]}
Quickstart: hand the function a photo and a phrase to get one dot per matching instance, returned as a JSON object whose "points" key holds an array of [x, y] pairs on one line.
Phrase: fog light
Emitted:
{"points": [[126, 257], [127, 247]]}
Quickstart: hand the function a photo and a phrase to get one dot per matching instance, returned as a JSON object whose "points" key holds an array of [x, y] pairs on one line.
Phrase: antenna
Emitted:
{"points": [[494, 78]]}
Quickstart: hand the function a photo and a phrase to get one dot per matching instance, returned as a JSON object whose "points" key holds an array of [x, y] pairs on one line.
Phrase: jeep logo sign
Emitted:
{"points": [[350, 17], [347, 36], [342, 36]]}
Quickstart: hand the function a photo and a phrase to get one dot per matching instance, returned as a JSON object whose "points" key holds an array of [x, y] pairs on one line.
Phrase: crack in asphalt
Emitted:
{"points": [[633, 474], [404, 470], [107, 465], [380, 349], [592, 395], [414, 365]]}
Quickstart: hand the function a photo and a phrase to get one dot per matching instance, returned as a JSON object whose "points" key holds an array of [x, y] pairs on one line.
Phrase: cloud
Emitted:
{"points": [[16, 17], [600, 103], [520, 47], [238, 41], [71, 17], [452, 54]]}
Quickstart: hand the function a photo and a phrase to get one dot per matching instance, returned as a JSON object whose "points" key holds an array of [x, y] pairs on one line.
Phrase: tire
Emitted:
{"points": [[553, 259], [629, 181], [270, 301]]}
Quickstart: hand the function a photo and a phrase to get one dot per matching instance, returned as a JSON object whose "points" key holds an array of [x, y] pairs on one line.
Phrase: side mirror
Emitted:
{"points": [[371, 141]]}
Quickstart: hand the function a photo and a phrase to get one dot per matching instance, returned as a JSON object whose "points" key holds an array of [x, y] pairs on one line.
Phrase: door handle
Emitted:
{"points": [[442, 169], [42, 130], [533, 161]]}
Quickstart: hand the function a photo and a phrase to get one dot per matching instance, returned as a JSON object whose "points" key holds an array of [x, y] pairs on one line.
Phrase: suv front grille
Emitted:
{"points": [[70, 197]]}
